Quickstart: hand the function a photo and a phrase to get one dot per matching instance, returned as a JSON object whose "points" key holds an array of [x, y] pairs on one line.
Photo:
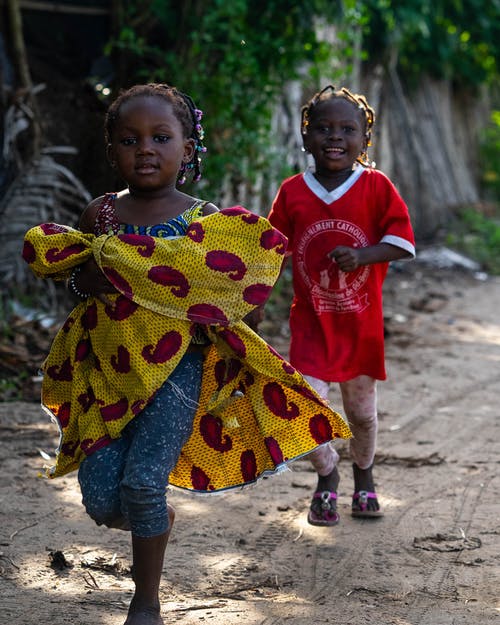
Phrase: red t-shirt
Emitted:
{"points": [[336, 318]]}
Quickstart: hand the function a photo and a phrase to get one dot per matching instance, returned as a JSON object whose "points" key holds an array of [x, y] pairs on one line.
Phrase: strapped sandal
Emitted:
{"points": [[323, 510], [360, 505]]}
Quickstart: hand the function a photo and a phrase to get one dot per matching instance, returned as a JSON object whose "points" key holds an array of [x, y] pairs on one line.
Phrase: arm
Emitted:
{"points": [[350, 258], [210, 208], [87, 280], [394, 232], [254, 318], [277, 218]]}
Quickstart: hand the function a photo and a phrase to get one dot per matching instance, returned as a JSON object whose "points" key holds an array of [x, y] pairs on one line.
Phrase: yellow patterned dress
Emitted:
{"points": [[256, 412]]}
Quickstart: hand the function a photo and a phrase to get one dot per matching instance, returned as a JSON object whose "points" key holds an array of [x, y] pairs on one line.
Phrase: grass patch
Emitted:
{"points": [[477, 236]]}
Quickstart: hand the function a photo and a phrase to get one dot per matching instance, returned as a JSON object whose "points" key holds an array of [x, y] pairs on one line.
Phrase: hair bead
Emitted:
{"points": [[184, 109]]}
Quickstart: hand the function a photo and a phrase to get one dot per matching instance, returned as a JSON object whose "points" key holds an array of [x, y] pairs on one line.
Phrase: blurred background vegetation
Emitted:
{"points": [[430, 68], [240, 61]]}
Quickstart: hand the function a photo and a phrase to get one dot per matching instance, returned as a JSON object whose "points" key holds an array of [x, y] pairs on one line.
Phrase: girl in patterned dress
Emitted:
{"points": [[155, 378], [153, 138]]}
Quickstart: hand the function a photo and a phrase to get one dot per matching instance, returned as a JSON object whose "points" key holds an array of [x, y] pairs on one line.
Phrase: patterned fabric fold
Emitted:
{"points": [[255, 411]]}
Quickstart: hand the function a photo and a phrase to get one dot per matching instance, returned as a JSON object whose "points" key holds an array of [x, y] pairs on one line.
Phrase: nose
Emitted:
{"points": [[145, 146], [334, 133]]}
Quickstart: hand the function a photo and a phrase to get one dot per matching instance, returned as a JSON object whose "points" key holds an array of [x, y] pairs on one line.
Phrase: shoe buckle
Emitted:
{"points": [[363, 497], [325, 500]]}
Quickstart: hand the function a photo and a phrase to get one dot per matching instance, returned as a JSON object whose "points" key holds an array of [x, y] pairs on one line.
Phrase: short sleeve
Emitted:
{"points": [[279, 218], [395, 223]]}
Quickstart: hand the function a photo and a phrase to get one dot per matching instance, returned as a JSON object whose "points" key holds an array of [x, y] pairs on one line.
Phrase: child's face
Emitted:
{"points": [[335, 135], [148, 144]]}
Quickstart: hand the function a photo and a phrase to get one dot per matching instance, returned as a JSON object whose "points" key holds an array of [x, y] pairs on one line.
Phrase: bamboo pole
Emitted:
{"points": [[55, 7], [16, 33], [22, 65]]}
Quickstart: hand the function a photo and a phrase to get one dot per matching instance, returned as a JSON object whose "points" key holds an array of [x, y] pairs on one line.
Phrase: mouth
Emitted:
{"points": [[334, 151], [145, 168]]}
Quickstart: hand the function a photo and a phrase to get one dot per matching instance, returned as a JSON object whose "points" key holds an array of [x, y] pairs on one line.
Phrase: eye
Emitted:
{"points": [[161, 138], [349, 129], [128, 141]]}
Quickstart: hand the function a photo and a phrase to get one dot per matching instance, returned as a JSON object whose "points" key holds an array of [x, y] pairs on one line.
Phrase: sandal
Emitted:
{"points": [[360, 505], [323, 510]]}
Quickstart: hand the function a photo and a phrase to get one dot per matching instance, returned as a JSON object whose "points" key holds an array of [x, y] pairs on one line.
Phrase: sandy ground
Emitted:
{"points": [[249, 556]]}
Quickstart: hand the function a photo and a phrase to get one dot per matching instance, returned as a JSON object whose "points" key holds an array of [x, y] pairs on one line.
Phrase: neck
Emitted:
{"points": [[149, 207], [150, 195], [332, 179]]}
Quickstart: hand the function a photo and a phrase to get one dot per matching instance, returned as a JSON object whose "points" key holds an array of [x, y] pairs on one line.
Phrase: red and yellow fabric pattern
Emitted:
{"points": [[255, 411]]}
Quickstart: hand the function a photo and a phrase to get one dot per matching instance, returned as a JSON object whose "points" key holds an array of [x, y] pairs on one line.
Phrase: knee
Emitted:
{"points": [[103, 511], [324, 459], [139, 498], [362, 420], [102, 505]]}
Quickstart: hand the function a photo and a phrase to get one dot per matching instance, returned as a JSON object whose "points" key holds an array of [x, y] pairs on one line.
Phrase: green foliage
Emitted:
{"points": [[490, 156], [233, 58], [478, 236], [9, 390], [452, 39]]}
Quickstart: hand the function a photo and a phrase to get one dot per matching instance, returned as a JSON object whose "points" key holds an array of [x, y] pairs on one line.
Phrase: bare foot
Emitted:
{"points": [[144, 616], [146, 572], [364, 503]]}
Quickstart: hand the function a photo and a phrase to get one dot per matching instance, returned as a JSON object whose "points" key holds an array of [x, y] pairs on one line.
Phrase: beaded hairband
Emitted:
{"points": [[199, 147]]}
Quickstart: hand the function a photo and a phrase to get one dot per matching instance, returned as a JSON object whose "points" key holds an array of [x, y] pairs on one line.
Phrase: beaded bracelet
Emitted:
{"points": [[72, 284]]}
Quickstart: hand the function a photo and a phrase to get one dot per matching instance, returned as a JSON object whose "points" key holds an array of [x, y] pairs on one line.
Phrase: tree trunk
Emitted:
{"points": [[23, 72], [16, 34], [427, 142]]}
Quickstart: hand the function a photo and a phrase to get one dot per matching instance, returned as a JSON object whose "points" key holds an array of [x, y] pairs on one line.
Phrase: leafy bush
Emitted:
{"points": [[456, 40], [478, 236], [233, 58], [490, 156]]}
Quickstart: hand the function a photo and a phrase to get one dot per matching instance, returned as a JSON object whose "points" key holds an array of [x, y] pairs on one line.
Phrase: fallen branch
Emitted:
{"points": [[21, 529], [201, 606]]}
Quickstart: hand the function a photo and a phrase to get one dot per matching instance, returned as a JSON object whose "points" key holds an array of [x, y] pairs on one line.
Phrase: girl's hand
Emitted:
{"points": [[90, 279], [347, 258], [254, 318], [350, 258]]}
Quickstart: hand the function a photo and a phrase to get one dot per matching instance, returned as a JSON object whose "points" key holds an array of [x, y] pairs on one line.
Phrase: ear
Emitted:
{"points": [[305, 143], [364, 147], [110, 156], [189, 150]]}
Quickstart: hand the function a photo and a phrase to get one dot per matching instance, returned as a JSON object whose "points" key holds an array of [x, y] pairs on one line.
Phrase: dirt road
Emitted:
{"points": [[250, 557]]}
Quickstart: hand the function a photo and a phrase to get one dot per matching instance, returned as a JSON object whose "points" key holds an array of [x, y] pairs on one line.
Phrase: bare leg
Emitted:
{"points": [[324, 459], [329, 482], [148, 554], [359, 397]]}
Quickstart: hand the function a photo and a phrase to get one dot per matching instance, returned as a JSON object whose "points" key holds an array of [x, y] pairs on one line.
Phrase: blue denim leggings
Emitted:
{"points": [[124, 484]]}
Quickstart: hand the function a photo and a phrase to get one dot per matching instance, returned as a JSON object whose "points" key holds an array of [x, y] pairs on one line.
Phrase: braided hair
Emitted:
{"points": [[359, 101], [184, 109]]}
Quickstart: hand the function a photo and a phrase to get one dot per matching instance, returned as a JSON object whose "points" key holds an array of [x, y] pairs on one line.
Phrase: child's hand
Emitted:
{"points": [[91, 280], [347, 258], [253, 318]]}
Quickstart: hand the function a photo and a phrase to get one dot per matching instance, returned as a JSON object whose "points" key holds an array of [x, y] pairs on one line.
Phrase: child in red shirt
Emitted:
{"points": [[345, 221]]}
